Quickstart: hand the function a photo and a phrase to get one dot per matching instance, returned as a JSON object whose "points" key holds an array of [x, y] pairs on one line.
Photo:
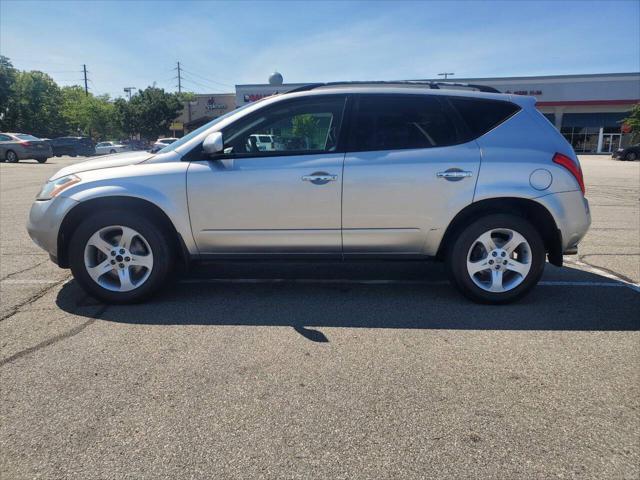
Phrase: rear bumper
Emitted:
{"points": [[35, 153], [572, 215]]}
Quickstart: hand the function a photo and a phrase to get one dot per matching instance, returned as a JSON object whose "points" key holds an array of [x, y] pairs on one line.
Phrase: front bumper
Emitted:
{"points": [[44, 222]]}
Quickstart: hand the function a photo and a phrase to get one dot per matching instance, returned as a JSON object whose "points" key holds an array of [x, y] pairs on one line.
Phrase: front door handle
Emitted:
{"points": [[319, 178], [454, 174]]}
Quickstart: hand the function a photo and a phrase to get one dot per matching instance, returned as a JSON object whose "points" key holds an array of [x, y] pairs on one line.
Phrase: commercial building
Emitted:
{"points": [[587, 109], [202, 109]]}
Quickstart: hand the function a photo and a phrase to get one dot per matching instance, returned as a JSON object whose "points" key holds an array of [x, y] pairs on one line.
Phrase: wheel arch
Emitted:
{"points": [[78, 213], [531, 210]]}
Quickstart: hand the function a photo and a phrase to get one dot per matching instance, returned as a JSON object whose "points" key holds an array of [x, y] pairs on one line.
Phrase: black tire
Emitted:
{"points": [[456, 259], [11, 156], [42, 160], [631, 156], [158, 241], [112, 151]]}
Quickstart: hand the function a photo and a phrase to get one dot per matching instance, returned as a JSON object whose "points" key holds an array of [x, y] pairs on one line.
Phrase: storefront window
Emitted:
{"points": [[582, 139]]}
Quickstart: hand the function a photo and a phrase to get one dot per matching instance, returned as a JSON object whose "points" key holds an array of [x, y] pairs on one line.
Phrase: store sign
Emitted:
{"points": [[254, 97], [525, 92], [212, 105]]}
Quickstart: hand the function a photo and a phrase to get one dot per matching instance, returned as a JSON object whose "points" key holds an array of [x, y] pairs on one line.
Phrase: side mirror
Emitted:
{"points": [[213, 143]]}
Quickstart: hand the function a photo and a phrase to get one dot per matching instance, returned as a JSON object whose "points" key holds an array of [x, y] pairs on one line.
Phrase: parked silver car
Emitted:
{"points": [[107, 148], [20, 146], [479, 180]]}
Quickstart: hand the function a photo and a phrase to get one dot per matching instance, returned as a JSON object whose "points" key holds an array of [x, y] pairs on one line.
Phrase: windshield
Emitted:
{"points": [[171, 147]]}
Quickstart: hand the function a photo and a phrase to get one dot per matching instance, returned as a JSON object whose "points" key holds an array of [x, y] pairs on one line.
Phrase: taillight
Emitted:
{"points": [[572, 166]]}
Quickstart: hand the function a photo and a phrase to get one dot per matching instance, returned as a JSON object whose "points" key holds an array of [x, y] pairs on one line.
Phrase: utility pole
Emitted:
{"points": [[445, 74], [86, 87], [179, 79]]}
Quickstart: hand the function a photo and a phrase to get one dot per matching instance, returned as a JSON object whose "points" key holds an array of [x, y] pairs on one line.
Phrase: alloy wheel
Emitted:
{"points": [[499, 260], [118, 258]]}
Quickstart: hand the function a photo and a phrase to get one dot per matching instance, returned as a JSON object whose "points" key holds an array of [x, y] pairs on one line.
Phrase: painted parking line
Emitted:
{"points": [[27, 282]]}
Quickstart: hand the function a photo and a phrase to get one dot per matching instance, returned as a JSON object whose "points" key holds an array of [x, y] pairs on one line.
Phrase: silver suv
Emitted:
{"points": [[401, 171]]}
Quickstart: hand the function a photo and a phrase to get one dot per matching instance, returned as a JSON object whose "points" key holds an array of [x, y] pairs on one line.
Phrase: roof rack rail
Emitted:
{"points": [[430, 84]]}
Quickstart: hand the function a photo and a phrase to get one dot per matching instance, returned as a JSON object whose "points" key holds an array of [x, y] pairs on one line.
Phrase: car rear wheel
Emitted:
{"points": [[42, 159], [497, 259], [11, 156], [120, 257], [112, 151], [631, 156]]}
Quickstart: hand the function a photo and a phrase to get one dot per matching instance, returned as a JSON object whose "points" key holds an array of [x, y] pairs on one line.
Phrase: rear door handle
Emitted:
{"points": [[454, 174], [319, 178]]}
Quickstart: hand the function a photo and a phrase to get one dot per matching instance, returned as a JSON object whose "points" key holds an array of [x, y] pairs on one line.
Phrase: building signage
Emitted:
{"points": [[524, 92], [253, 97], [212, 105]]}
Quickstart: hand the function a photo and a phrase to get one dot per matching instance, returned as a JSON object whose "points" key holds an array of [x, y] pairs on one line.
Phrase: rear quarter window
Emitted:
{"points": [[481, 115], [395, 122]]}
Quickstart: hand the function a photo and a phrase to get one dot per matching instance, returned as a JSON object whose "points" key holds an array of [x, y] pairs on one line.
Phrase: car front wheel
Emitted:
{"points": [[120, 257], [631, 156], [497, 259]]}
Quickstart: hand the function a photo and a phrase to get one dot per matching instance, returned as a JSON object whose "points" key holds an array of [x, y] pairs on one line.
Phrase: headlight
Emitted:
{"points": [[53, 188]]}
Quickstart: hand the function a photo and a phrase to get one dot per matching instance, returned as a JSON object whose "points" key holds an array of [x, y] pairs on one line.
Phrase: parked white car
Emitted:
{"points": [[161, 143], [263, 142], [105, 148]]}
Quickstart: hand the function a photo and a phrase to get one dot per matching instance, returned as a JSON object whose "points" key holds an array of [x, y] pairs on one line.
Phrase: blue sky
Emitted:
{"points": [[224, 43]]}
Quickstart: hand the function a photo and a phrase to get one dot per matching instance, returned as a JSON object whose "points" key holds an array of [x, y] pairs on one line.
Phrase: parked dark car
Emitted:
{"points": [[19, 146], [73, 146], [632, 152]]}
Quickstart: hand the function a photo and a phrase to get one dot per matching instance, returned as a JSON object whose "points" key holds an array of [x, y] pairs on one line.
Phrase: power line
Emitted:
{"points": [[205, 78], [204, 84], [201, 85]]}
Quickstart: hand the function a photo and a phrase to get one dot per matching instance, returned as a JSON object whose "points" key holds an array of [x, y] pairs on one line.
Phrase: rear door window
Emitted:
{"points": [[481, 115], [396, 122]]}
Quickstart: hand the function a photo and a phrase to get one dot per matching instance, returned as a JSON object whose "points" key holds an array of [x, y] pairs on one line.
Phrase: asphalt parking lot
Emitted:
{"points": [[324, 371]]}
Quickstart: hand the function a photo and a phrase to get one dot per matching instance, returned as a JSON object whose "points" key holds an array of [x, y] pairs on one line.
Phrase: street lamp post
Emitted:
{"points": [[129, 90]]}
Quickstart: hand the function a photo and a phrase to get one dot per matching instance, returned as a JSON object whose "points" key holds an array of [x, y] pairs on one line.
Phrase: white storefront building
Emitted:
{"points": [[587, 109]]}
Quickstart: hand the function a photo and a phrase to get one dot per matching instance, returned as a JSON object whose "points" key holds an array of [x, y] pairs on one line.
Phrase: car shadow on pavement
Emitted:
{"points": [[302, 297]]}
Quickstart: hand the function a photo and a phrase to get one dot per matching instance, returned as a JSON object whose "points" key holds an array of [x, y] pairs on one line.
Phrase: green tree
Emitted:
{"points": [[306, 126], [633, 120], [89, 114], [35, 105], [149, 112], [7, 79]]}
